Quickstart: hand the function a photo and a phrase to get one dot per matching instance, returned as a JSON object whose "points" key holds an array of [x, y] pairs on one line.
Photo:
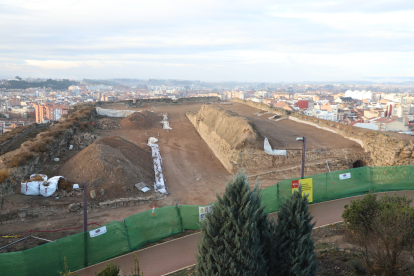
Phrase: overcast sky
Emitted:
{"points": [[214, 40]]}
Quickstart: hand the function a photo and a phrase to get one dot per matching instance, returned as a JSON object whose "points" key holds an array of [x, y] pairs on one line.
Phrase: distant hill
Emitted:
{"points": [[58, 85], [103, 82]]}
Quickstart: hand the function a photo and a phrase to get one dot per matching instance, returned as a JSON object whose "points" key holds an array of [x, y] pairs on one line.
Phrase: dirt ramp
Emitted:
{"points": [[112, 164], [235, 140], [141, 120]]}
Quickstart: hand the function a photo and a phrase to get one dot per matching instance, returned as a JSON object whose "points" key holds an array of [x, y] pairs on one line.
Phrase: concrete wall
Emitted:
{"points": [[384, 149]]}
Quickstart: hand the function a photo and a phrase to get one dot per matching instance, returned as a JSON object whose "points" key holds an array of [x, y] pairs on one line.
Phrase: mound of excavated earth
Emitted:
{"points": [[141, 120], [235, 140], [111, 164]]}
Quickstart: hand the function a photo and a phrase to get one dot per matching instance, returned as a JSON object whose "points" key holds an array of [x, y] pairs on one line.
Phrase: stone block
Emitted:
{"points": [[125, 201], [133, 201], [5, 217], [119, 202], [73, 207], [104, 205], [112, 204], [22, 213]]}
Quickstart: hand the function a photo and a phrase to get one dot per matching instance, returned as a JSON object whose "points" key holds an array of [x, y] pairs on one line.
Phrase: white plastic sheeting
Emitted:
{"points": [[49, 187], [30, 188], [114, 112], [165, 123], [268, 149], [159, 184]]}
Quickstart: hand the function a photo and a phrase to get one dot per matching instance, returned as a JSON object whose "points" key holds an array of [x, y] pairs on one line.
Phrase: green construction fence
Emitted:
{"points": [[125, 236]]}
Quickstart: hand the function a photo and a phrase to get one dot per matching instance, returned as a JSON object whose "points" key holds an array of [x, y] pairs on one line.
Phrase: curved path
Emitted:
{"points": [[180, 253]]}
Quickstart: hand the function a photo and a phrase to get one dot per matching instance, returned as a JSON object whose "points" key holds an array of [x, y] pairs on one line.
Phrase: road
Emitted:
{"points": [[180, 253]]}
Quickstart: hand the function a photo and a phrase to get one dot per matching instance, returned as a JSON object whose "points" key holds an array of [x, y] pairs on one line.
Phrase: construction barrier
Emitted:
{"points": [[85, 249]]}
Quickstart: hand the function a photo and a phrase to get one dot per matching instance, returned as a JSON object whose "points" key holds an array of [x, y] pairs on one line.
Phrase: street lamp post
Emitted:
{"points": [[303, 139]]}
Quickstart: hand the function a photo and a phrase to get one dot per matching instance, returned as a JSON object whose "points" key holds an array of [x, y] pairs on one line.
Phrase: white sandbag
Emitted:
{"points": [[268, 149], [30, 188], [41, 175], [49, 187]]}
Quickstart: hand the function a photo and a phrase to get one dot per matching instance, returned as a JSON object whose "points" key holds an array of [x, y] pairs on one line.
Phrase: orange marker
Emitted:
{"points": [[153, 211]]}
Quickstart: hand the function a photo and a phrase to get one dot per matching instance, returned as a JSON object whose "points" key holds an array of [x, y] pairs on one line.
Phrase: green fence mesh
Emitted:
{"points": [[81, 250], [144, 227], [269, 199]]}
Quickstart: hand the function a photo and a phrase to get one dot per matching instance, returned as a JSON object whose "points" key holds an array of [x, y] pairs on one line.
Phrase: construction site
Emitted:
{"points": [[135, 156]]}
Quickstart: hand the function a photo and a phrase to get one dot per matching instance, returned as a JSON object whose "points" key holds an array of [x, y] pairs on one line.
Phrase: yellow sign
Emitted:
{"points": [[307, 187]]}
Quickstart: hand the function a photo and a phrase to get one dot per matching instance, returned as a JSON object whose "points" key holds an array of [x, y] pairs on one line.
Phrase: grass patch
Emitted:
{"points": [[4, 174], [39, 146], [20, 159]]}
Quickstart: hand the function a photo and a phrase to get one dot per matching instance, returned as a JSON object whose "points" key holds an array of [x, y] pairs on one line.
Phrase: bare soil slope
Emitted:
{"points": [[113, 164], [238, 132], [141, 120]]}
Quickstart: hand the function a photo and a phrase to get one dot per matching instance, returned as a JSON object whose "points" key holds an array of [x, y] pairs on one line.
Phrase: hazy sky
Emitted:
{"points": [[207, 40]]}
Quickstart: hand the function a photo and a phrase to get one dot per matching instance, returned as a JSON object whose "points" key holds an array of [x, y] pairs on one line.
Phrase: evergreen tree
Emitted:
{"points": [[292, 248], [235, 239]]}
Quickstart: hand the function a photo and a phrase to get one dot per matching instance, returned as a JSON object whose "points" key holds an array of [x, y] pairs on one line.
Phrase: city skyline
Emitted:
{"points": [[264, 41]]}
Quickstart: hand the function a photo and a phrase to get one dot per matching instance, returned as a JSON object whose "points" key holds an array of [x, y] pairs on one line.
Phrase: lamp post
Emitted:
{"points": [[303, 139]]}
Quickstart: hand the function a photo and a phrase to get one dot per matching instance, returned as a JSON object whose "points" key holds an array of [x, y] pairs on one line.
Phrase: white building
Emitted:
{"points": [[359, 95]]}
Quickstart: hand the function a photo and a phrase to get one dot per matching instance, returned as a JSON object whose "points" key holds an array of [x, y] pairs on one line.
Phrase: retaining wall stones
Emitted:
{"points": [[382, 148]]}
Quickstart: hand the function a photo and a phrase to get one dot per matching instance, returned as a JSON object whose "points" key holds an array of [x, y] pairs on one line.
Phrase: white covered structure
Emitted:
{"points": [[359, 95]]}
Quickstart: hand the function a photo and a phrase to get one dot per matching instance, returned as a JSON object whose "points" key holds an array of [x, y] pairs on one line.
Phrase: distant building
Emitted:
{"points": [[49, 112]]}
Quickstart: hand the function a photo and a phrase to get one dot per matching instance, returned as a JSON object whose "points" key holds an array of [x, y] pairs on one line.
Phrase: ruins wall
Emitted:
{"points": [[383, 149]]}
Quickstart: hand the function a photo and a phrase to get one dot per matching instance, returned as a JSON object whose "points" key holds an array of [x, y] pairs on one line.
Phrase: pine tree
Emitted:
{"points": [[235, 239], [294, 251]]}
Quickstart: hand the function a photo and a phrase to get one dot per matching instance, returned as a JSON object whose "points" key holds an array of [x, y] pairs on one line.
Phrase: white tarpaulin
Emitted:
{"points": [[344, 176], [159, 184], [114, 112], [49, 187], [30, 188], [268, 149]]}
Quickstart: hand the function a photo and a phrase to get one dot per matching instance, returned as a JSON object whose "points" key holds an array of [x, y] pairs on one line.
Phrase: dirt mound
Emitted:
{"points": [[111, 166], [141, 120], [238, 132]]}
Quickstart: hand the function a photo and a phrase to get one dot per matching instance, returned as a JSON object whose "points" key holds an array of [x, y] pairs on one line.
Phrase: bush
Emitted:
{"points": [[136, 271], [110, 269], [235, 236], [20, 159], [383, 237], [39, 146], [293, 250], [67, 271], [4, 174]]}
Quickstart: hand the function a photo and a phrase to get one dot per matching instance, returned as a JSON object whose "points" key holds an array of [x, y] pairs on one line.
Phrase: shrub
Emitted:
{"points": [[136, 271], [20, 159], [67, 271], [110, 269], [383, 237], [4, 174], [235, 235], [292, 246], [39, 146]]}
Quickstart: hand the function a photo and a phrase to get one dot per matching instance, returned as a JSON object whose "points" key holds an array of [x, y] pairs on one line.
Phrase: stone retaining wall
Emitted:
{"points": [[383, 149]]}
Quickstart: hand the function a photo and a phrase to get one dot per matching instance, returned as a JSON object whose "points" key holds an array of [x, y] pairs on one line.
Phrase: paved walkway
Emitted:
{"points": [[174, 255]]}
